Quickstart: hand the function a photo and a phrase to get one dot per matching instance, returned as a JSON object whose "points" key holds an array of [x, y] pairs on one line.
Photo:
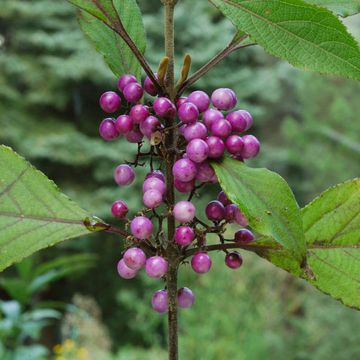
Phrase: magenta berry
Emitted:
{"points": [[181, 101], [239, 218], [133, 92], [134, 258], [156, 267], [216, 147], [124, 174], [223, 198], [244, 235], [184, 170], [234, 144], [197, 150], [188, 113], [152, 198], [185, 298], [211, 116], [154, 183], [107, 129], [221, 128], [134, 136], [251, 146], [150, 87], [110, 101], [159, 301], [184, 211], [195, 131], [224, 99], [205, 172], [123, 124], [150, 125], [156, 174], [215, 210], [201, 99], [139, 113], [164, 108], [119, 209], [233, 260], [201, 262], [141, 227], [240, 120], [124, 80], [124, 271], [184, 187], [184, 235]]}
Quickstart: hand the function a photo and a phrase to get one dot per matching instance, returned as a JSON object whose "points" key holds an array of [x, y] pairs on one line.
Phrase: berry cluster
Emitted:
{"points": [[203, 133]]}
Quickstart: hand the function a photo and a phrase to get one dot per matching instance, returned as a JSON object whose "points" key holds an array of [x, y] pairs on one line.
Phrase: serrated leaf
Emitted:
{"points": [[266, 200], [305, 35], [34, 214], [340, 7]]}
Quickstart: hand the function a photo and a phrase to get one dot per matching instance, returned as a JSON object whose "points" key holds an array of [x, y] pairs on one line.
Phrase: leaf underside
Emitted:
{"points": [[341, 7]]}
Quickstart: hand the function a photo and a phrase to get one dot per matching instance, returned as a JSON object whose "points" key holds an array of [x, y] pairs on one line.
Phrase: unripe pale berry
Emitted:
{"points": [[156, 267], [221, 128], [216, 147], [139, 113], [152, 198], [184, 187], [224, 99], [164, 108], [244, 235], [124, 174], [119, 209], [205, 172], [251, 146], [150, 125], [150, 87], [201, 99], [134, 258], [215, 210], [185, 298], [233, 260], [159, 301], [107, 129], [195, 131], [124, 123], [156, 174], [201, 262], [133, 92], [154, 183], [188, 113], [124, 271], [184, 211], [184, 170], [223, 198], [184, 235], [197, 150], [211, 116], [110, 101], [134, 135], [234, 144], [240, 120], [141, 227], [125, 80]]}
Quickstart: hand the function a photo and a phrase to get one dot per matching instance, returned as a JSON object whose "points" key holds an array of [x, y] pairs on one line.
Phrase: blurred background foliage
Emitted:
{"points": [[50, 81]]}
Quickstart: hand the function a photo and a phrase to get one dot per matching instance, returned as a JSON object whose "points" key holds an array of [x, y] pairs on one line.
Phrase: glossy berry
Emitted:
{"points": [[139, 113], [184, 235], [195, 131], [154, 183], [156, 267], [251, 146], [150, 125], [134, 135], [184, 170], [124, 271], [223, 99], [205, 172], [152, 198], [156, 174], [125, 80], [107, 130], [240, 120], [185, 298], [215, 210], [197, 150], [123, 124], [184, 187], [188, 113], [110, 101], [150, 87], [133, 92], [159, 301], [141, 227], [216, 147], [201, 262], [211, 116], [201, 99], [230, 212], [221, 128], [181, 101], [184, 211], [124, 174], [233, 260], [134, 258], [119, 209], [223, 198], [234, 144], [164, 108], [244, 235]]}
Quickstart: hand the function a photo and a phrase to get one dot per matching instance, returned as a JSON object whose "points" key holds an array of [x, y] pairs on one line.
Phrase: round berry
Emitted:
{"points": [[184, 211], [133, 92], [184, 170], [244, 235], [223, 198], [215, 210], [230, 212], [124, 174], [211, 116], [134, 258], [123, 124], [159, 301], [216, 147], [251, 146], [181, 101], [155, 174], [150, 125], [195, 131], [139, 113], [234, 144], [107, 129], [200, 99], [221, 128], [154, 183], [184, 235], [150, 87], [240, 120], [201, 262], [197, 150], [134, 136], [119, 209], [239, 217], [185, 298], [205, 172], [184, 187], [223, 99], [152, 199], [110, 101], [164, 108], [156, 267], [124, 271], [233, 260], [125, 80], [188, 113], [141, 227]]}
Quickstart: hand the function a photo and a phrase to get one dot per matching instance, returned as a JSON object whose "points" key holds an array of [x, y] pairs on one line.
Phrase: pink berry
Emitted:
{"points": [[184, 211], [149, 126], [124, 174], [139, 113], [211, 116], [215, 210], [185, 298], [150, 87], [133, 92], [124, 271], [107, 129], [134, 135], [141, 227], [164, 108], [154, 183], [125, 80], [110, 101], [240, 120], [197, 150], [184, 235], [244, 235], [159, 301], [123, 124], [119, 209], [156, 267], [216, 147], [233, 260], [251, 146], [221, 128], [223, 198], [184, 170], [223, 99], [205, 172], [184, 187], [200, 99], [156, 174], [239, 218], [181, 101], [201, 262], [134, 258], [234, 144], [152, 198], [188, 113], [195, 131]]}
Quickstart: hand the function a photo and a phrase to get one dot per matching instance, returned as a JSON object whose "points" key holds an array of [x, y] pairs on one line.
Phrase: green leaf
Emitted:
{"points": [[305, 35], [340, 7], [33, 212], [266, 200]]}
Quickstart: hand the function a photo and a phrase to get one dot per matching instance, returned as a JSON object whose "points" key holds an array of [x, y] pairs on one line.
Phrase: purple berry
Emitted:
{"points": [[221, 128], [156, 267], [215, 210], [240, 120], [244, 235], [110, 101], [239, 217], [201, 262], [125, 80], [211, 116], [154, 183], [124, 271], [205, 172], [156, 174], [184, 187], [185, 298], [164, 108], [134, 258], [216, 147], [184, 170], [251, 146], [200, 99], [195, 131], [139, 113], [184, 211], [133, 92], [159, 301], [223, 99], [134, 135], [233, 260], [141, 227], [123, 124], [124, 174], [107, 129], [184, 235], [181, 101], [223, 198], [119, 209], [234, 144], [150, 87], [150, 125], [230, 212], [197, 150], [152, 198], [188, 113]]}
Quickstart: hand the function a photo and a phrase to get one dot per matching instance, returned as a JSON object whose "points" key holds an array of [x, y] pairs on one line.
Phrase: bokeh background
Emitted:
{"points": [[67, 302]]}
